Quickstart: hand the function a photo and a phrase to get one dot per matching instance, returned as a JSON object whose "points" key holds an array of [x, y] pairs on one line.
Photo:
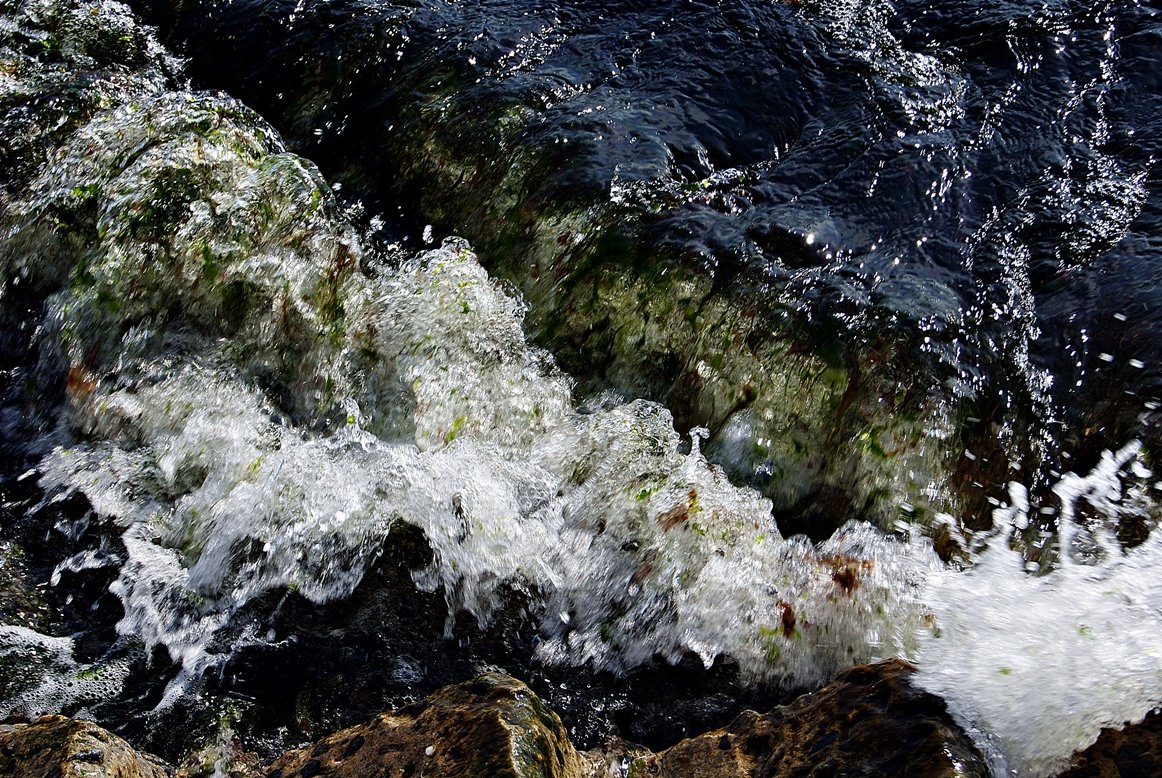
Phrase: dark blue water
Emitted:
{"points": [[972, 183], [956, 205]]}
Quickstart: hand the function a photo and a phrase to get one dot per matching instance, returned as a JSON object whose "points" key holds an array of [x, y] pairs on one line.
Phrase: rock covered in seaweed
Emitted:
{"points": [[277, 399], [829, 424], [61, 63]]}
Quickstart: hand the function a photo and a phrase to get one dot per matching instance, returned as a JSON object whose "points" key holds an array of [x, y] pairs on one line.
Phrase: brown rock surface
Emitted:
{"points": [[868, 722], [491, 726], [1133, 752], [60, 747]]}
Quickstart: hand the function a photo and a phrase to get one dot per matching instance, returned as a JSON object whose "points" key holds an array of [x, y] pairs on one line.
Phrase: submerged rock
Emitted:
{"points": [[277, 399], [491, 726], [624, 253], [60, 747], [870, 721]]}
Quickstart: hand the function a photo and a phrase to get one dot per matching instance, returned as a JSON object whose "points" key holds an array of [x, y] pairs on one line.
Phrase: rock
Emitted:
{"points": [[225, 757], [828, 422], [70, 748], [20, 600], [869, 721], [493, 725], [1133, 751]]}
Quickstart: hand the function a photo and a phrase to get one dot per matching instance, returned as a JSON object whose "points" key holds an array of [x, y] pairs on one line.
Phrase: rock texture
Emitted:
{"points": [[60, 747], [1125, 753], [491, 726], [869, 722]]}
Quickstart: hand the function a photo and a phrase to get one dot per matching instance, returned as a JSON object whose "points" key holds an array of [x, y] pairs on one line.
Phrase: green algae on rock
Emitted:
{"points": [[830, 424], [275, 398], [62, 62]]}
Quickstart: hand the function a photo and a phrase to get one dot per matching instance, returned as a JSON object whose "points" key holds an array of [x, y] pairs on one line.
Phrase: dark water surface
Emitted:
{"points": [[901, 259], [977, 181]]}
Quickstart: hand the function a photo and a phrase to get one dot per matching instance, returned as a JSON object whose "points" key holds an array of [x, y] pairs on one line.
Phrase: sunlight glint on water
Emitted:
{"points": [[631, 545]]}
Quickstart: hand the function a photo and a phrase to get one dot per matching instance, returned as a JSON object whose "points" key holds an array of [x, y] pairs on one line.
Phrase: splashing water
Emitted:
{"points": [[1040, 664], [260, 402], [632, 545]]}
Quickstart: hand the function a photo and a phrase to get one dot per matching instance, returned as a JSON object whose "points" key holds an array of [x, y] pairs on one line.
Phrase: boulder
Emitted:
{"points": [[493, 725], [62, 747], [1122, 753], [627, 272], [869, 722]]}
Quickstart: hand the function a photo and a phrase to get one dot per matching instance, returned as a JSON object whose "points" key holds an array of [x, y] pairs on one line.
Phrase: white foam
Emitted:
{"points": [[50, 680], [599, 515], [1040, 663]]}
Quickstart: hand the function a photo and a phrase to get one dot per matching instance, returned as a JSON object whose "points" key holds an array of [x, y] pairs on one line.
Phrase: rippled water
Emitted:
{"points": [[979, 176], [890, 266]]}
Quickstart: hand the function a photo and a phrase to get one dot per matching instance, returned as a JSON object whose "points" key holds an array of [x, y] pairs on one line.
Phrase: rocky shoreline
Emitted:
{"points": [[158, 239], [868, 722]]}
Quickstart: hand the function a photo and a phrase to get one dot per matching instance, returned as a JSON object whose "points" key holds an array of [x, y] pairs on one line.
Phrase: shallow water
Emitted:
{"points": [[256, 385]]}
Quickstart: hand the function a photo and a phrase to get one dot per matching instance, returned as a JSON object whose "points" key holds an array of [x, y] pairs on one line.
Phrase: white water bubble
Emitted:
{"points": [[1040, 663]]}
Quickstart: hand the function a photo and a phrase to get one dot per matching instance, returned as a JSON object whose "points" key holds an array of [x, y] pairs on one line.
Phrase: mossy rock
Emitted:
{"points": [[63, 62], [831, 422]]}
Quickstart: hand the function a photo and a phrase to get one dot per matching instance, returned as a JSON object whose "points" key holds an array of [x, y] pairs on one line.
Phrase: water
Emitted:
{"points": [[883, 273]]}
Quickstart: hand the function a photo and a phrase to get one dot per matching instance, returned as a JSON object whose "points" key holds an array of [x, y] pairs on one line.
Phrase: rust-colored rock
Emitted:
{"points": [[60, 747], [868, 722], [1122, 753], [491, 726]]}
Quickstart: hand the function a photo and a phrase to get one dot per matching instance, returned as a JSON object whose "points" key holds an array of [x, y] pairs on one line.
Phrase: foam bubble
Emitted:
{"points": [[50, 680], [599, 515]]}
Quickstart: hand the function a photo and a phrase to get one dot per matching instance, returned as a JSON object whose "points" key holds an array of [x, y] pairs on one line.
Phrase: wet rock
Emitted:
{"points": [[626, 276], [493, 725], [225, 757], [1125, 753], [62, 62], [384, 647], [869, 721], [69, 748], [20, 602]]}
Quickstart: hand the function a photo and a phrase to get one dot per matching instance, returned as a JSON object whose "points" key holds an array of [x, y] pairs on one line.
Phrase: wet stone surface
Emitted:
{"points": [[1126, 753], [870, 721], [385, 646], [493, 725], [60, 747]]}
